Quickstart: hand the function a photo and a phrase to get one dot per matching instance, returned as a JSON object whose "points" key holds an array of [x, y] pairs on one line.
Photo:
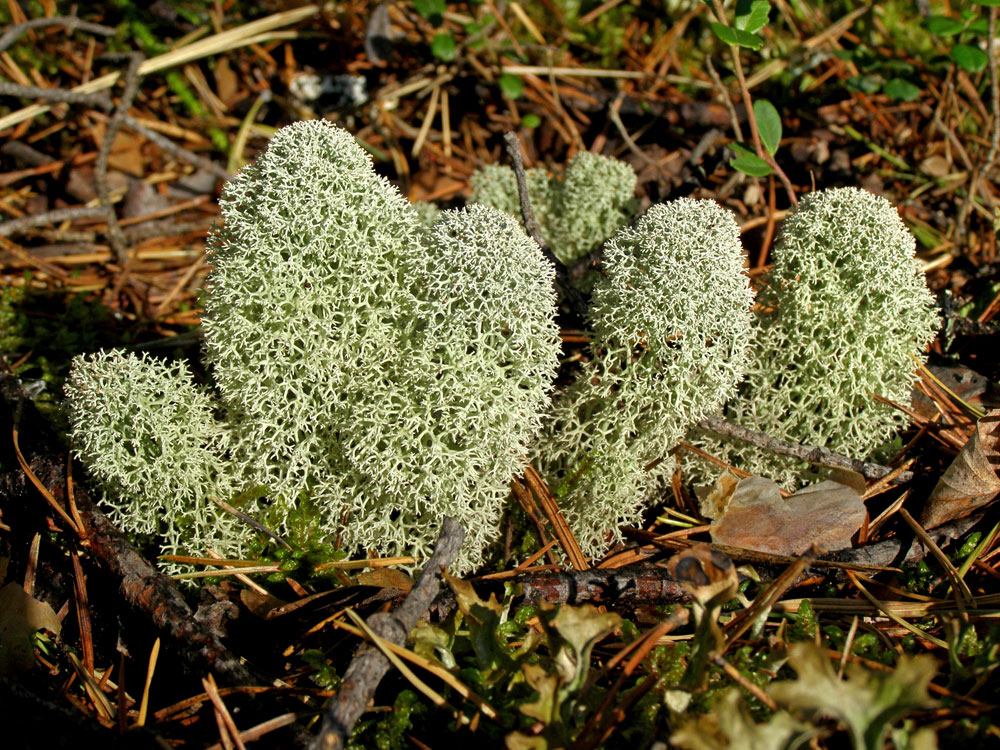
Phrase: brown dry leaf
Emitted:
{"points": [[226, 82], [260, 604], [20, 616], [818, 518], [936, 166], [972, 480], [386, 578], [714, 504], [126, 155]]}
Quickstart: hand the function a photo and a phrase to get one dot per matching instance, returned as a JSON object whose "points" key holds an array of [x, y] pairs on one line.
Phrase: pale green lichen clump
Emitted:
{"points": [[671, 324], [576, 213], [375, 374], [150, 435], [845, 312]]}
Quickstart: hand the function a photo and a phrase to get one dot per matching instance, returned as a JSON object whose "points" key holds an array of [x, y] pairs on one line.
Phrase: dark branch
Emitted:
{"points": [[119, 243], [12, 34], [569, 294], [369, 665], [101, 100]]}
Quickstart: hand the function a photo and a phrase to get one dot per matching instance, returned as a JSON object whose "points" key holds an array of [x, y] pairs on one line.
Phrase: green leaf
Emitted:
{"points": [[768, 124], [511, 86], [531, 120], [867, 702], [990, 3], [432, 10], [751, 15], [901, 90], [737, 36], [971, 59], [443, 47], [979, 26], [869, 84], [943, 25], [748, 162], [731, 719]]}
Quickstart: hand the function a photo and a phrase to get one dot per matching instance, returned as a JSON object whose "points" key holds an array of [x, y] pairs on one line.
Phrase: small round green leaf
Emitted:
{"points": [[969, 58], [443, 47], [768, 124], [901, 90], [511, 86], [531, 120], [737, 36], [943, 25], [748, 162]]}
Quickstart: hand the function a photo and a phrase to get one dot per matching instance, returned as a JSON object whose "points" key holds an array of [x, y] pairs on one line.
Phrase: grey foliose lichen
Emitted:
{"points": [[845, 315], [374, 374], [575, 214], [672, 333]]}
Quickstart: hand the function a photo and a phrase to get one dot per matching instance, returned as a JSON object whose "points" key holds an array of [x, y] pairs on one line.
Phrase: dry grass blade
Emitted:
{"points": [[41, 487], [101, 703], [881, 607], [438, 671], [562, 530], [258, 731], [150, 670], [961, 588], [764, 602], [83, 612], [222, 713], [213, 45], [389, 654]]}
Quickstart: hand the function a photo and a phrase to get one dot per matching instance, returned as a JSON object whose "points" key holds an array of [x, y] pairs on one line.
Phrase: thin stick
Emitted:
{"points": [[809, 453], [991, 53], [16, 226], [178, 151], [101, 101], [734, 51], [72, 23], [117, 238], [221, 711], [570, 294], [369, 665], [736, 676]]}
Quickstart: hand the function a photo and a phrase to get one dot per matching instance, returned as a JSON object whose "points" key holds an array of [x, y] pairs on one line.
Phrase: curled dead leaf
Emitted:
{"points": [[972, 480], [20, 616], [820, 518]]}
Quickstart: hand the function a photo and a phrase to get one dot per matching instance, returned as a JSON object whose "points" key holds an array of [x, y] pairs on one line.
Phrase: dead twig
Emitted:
{"points": [[101, 101], [174, 150], [567, 292], [72, 23], [809, 453], [16, 226], [142, 586], [119, 243], [369, 664]]}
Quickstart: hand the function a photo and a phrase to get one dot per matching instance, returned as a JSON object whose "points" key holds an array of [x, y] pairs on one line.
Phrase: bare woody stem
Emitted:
{"points": [[567, 292], [734, 51]]}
